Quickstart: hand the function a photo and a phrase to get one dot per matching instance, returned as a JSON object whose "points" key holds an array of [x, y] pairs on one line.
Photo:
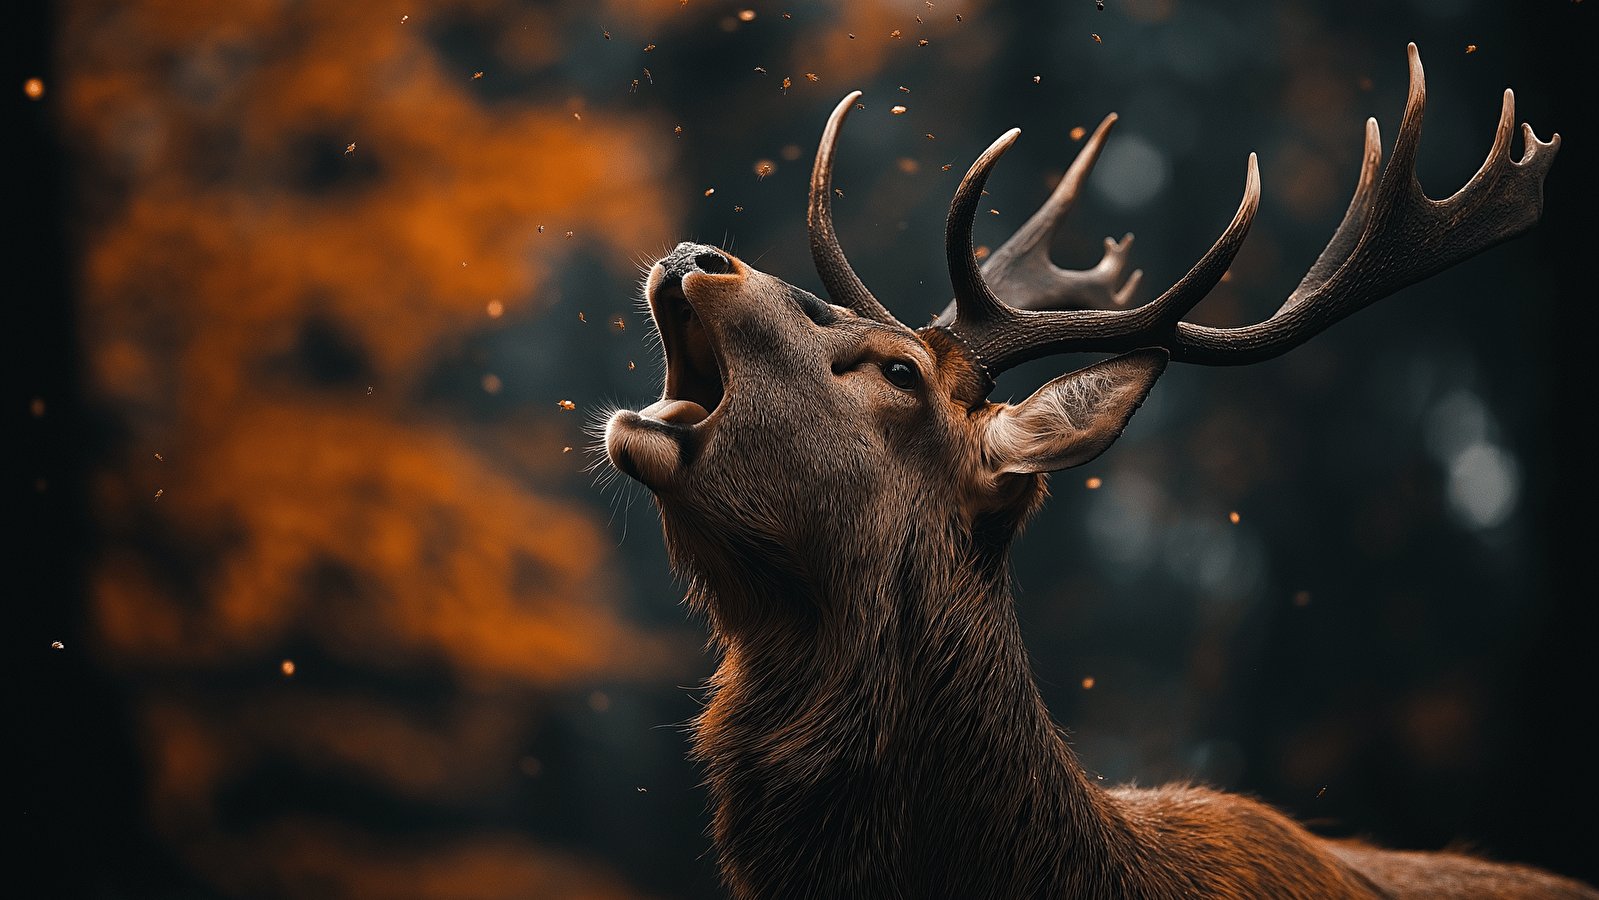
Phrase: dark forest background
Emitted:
{"points": [[299, 289]]}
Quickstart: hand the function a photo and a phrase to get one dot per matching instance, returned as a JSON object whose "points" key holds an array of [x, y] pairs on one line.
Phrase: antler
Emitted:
{"points": [[843, 285], [1020, 271], [1392, 236]]}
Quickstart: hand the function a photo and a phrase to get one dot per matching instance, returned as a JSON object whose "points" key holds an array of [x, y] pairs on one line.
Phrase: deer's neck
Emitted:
{"points": [[896, 749]]}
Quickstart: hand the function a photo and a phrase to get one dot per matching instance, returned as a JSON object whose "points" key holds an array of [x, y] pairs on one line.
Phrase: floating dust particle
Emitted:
{"points": [[648, 77], [918, 20], [33, 88], [37, 407], [1471, 48], [738, 209], [981, 252], [492, 383], [1322, 791], [541, 229], [577, 116], [894, 33], [1100, 4], [994, 211], [785, 15], [599, 702], [898, 110], [530, 766], [581, 319], [838, 192], [567, 404], [1096, 39], [921, 43], [710, 191], [852, 37], [791, 152], [947, 167], [287, 666], [1078, 132], [860, 106], [566, 449], [678, 131], [812, 76], [58, 645], [747, 15], [764, 167], [607, 34], [159, 459], [908, 165], [786, 85], [930, 136], [958, 17], [404, 19], [1038, 79], [1094, 483], [619, 323], [369, 390], [476, 75], [570, 233], [643, 790], [630, 365], [158, 493], [649, 48], [1234, 517], [496, 309], [1088, 683], [349, 149], [634, 88], [760, 70], [1302, 598], [905, 89]]}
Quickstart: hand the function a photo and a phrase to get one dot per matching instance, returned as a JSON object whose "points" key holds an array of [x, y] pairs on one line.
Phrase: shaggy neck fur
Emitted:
{"points": [[891, 743]]}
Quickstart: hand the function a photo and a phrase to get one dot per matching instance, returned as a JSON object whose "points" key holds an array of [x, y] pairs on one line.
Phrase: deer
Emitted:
{"points": [[838, 497]]}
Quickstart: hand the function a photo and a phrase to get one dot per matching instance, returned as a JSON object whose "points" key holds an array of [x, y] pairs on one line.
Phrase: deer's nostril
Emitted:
{"points": [[714, 263]]}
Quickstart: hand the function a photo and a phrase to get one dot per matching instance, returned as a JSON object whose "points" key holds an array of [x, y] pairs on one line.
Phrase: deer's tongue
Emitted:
{"points": [[681, 412]]}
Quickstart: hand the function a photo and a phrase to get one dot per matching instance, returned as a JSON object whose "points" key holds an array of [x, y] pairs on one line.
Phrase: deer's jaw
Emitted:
{"points": [[653, 444]]}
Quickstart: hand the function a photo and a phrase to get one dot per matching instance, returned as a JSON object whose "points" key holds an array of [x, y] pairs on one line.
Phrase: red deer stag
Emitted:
{"points": [[840, 498]]}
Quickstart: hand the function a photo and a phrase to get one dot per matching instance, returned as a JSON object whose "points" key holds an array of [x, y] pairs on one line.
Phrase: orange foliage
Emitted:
{"points": [[264, 166]]}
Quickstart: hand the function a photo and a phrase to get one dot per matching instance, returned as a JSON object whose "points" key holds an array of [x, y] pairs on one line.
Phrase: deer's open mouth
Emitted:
{"points": [[693, 366]]}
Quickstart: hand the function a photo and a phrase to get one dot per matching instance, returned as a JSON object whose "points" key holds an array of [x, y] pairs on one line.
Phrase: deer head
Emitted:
{"points": [[801, 440]]}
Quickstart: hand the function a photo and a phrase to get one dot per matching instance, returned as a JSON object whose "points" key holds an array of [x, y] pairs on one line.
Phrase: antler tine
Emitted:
{"points": [[976, 306], [843, 285], [1020, 271], [1349, 230], [1403, 238]]}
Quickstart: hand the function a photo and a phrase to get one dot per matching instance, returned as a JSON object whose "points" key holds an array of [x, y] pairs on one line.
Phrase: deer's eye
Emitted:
{"points": [[900, 375]]}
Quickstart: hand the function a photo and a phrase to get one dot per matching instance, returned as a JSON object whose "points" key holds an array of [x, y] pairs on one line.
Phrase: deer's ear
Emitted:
{"points": [[1074, 418]]}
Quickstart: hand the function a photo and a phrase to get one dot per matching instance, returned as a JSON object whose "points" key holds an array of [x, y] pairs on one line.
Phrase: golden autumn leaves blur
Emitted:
{"points": [[354, 528]]}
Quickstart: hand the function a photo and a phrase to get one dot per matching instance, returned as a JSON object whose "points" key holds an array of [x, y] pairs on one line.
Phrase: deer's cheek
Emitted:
{"points": [[642, 454]]}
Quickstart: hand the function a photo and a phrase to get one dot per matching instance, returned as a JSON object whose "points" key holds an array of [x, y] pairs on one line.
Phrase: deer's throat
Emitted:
{"points": [[901, 752]]}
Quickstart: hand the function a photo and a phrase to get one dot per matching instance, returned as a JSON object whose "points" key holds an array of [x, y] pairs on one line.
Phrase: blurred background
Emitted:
{"points": [[317, 587]]}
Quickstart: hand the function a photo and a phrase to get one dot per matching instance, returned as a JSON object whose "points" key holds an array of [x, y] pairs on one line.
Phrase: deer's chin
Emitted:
{"points": [[647, 445]]}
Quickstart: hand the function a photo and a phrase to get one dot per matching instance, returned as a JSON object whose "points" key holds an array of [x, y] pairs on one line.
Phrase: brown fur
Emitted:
{"points": [[874, 730]]}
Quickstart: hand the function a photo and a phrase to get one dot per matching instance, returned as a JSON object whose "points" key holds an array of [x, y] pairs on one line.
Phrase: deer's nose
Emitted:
{"points": [[687, 257], [714, 263]]}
